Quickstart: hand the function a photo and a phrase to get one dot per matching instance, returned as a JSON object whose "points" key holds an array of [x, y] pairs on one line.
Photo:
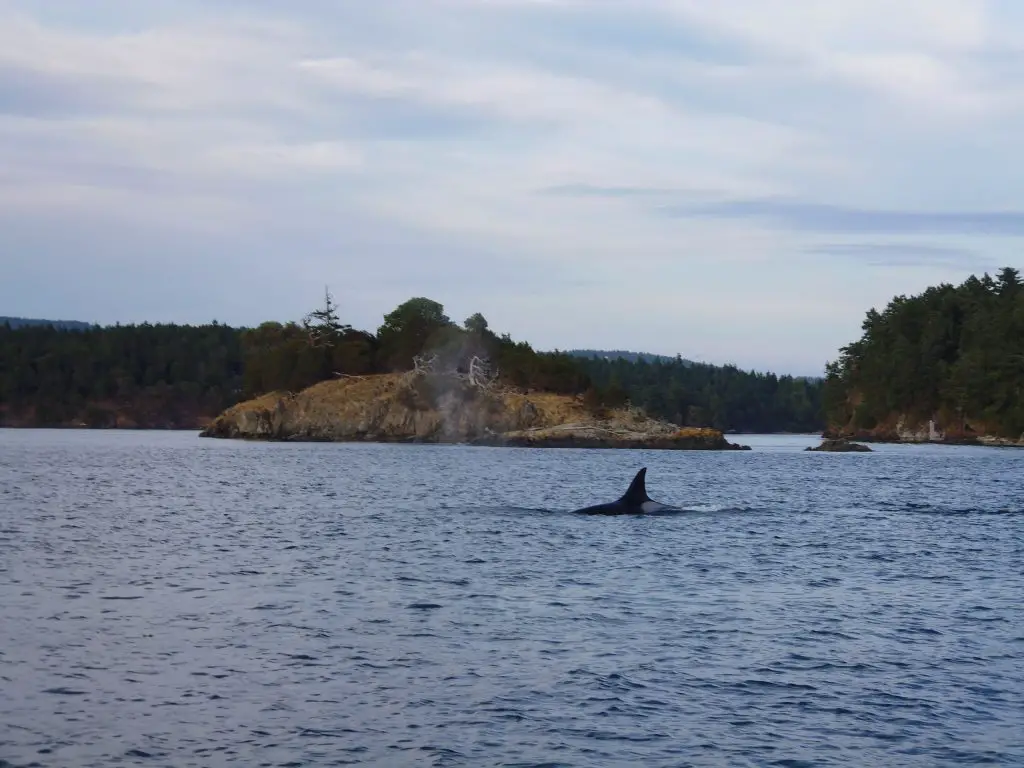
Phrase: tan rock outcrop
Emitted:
{"points": [[445, 409]]}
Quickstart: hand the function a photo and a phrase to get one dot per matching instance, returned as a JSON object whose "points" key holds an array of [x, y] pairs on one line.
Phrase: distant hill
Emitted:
{"points": [[614, 354], [632, 357], [67, 325]]}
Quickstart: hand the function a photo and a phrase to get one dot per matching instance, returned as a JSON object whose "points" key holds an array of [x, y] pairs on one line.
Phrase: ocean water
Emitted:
{"points": [[173, 601]]}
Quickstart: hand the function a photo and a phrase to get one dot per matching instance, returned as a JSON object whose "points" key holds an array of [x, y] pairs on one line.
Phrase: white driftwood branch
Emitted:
{"points": [[423, 364], [479, 374]]}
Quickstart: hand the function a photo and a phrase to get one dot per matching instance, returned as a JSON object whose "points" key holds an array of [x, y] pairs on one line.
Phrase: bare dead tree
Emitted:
{"points": [[424, 365], [480, 374]]}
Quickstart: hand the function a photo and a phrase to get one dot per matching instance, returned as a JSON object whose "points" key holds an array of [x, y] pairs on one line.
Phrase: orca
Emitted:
{"points": [[634, 501]]}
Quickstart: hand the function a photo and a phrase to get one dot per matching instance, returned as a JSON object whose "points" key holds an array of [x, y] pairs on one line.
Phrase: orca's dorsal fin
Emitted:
{"points": [[637, 491]]}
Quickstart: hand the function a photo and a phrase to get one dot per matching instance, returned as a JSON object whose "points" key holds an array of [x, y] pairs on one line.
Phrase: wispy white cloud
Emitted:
{"points": [[675, 175], [897, 254]]}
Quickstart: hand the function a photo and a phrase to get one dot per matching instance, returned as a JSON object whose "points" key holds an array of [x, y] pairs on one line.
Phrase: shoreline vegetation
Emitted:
{"points": [[946, 366]]}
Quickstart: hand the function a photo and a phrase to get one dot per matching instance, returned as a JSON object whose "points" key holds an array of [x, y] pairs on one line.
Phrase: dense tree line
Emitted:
{"points": [[956, 352], [139, 375], [614, 354], [20, 322], [172, 375], [697, 394]]}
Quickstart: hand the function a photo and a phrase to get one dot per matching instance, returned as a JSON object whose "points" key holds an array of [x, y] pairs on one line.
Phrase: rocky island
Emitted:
{"points": [[839, 446], [415, 407]]}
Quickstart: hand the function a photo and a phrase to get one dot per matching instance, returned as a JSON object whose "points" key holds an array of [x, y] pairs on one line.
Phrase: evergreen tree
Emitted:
{"points": [[952, 353], [322, 325]]}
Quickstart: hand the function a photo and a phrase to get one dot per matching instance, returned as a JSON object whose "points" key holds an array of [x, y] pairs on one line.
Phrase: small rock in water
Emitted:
{"points": [[840, 446]]}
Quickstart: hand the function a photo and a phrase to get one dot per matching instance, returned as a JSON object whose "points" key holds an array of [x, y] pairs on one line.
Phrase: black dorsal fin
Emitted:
{"points": [[637, 492]]}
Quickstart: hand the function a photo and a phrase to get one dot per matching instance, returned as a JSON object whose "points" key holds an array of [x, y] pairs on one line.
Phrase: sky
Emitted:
{"points": [[735, 181]]}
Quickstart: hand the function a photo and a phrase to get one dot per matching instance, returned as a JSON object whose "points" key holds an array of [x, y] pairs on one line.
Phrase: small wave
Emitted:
{"points": [[755, 683], [940, 511], [443, 753], [139, 753], [830, 633], [636, 738], [336, 733], [499, 510], [415, 580], [919, 631]]}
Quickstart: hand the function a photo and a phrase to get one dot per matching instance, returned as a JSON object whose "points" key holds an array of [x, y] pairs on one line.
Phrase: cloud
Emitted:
{"points": [[209, 65], [675, 175], [275, 158], [918, 51], [818, 217], [597, 190], [904, 255]]}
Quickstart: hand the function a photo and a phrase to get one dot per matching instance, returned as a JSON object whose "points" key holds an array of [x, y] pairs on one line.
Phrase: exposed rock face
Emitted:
{"points": [[840, 446], [602, 435], [438, 409], [940, 428]]}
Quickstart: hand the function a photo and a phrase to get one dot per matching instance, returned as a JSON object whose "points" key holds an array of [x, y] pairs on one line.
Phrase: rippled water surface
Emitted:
{"points": [[172, 601]]}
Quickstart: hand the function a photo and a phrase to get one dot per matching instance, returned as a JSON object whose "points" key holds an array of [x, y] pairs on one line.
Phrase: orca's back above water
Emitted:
{"points": [[634, 501]]}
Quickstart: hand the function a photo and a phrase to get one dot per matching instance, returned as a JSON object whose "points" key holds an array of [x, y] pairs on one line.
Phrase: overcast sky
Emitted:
{"points": [[736, 181]]}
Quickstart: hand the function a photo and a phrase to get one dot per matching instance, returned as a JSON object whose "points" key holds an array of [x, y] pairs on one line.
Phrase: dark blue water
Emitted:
{"points": [[171, 601]]}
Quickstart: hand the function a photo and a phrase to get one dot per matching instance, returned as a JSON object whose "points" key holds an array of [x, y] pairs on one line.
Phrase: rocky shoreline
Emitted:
{"points": [[902, 429], [406, 408], [597, 436], [839, 446]]}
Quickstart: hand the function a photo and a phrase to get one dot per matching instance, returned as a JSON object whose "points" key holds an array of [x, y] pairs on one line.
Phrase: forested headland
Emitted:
{"points": [[947, 364], [181, 376]]}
